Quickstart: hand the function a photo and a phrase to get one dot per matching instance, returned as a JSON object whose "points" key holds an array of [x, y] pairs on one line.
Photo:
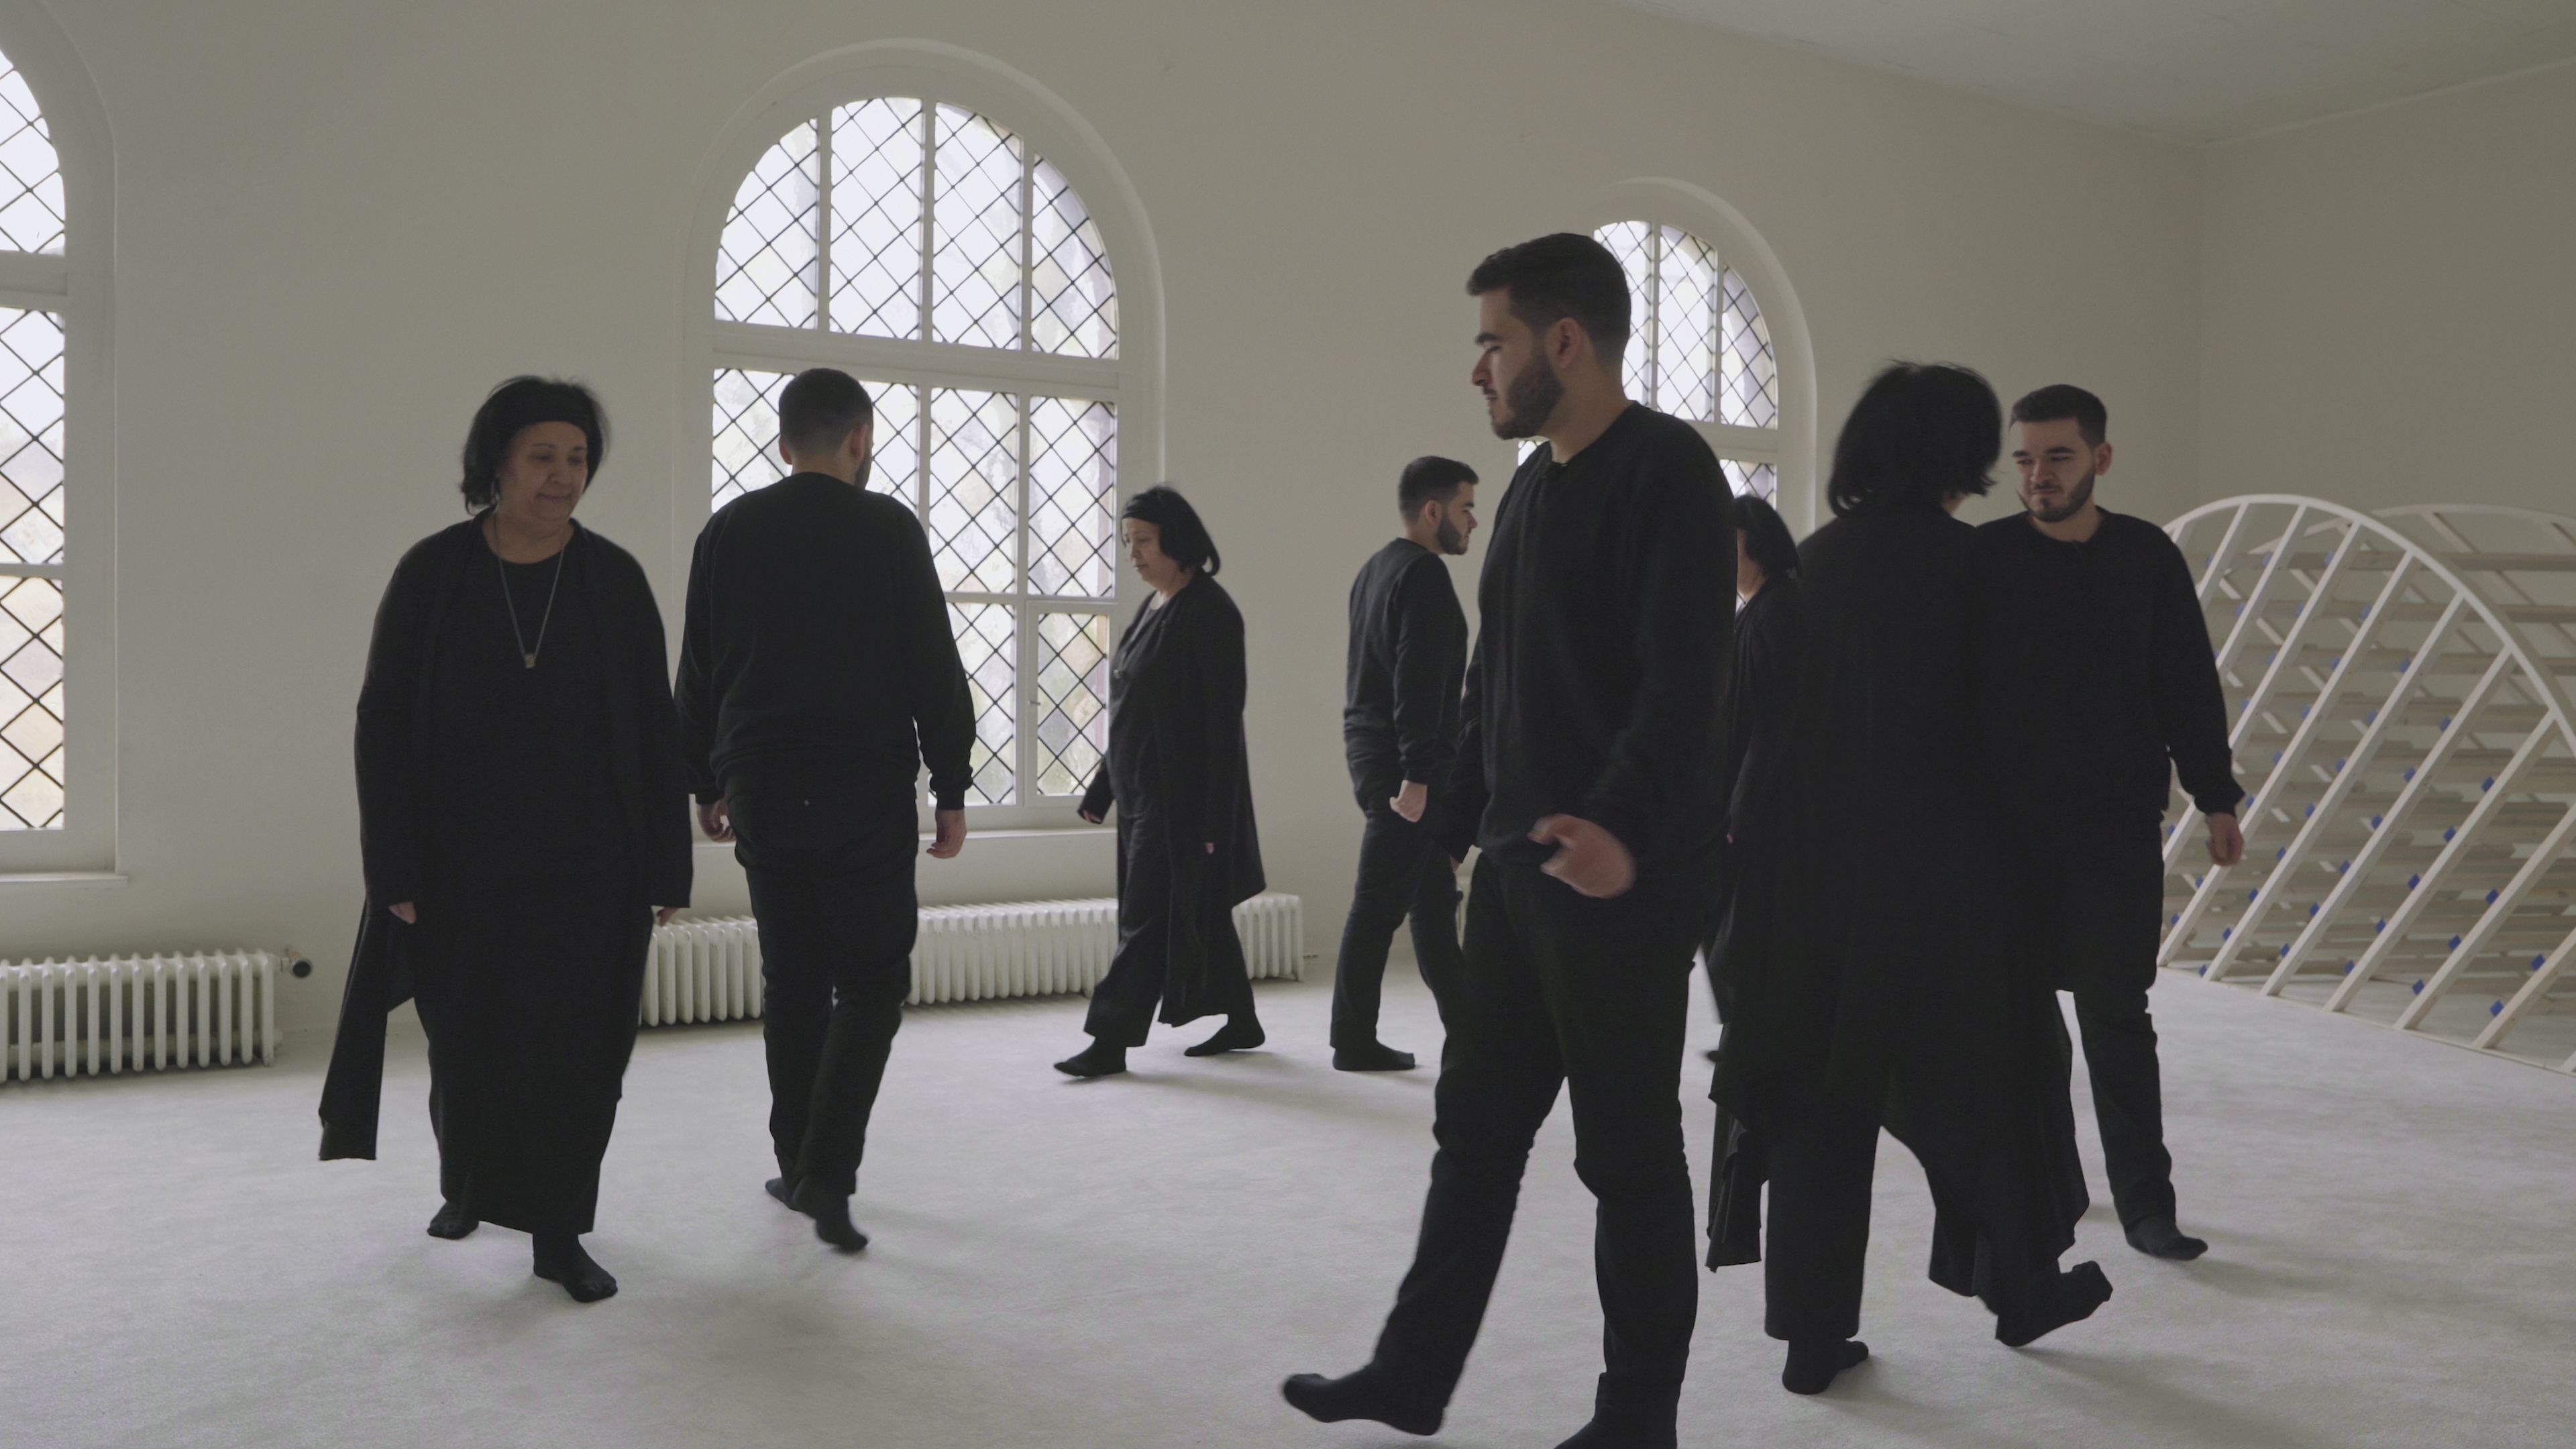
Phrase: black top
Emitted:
{"points": [[2100, 670], [1408, 655], [1606, 599], [518, 781], [1764, 680], [816, 663]]}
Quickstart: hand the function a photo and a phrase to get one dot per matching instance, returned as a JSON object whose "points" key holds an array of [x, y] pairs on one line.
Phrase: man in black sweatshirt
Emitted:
{"points": [[2101, 688], [817, 674], [1400, 729], [1587, 777]]}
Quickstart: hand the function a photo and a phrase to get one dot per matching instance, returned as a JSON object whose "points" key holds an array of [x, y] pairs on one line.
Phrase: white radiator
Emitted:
{"points": [[132, 1014], [709, 970]]}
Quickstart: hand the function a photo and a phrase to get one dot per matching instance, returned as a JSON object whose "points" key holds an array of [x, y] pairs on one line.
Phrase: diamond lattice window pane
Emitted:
{"points": [[31, 437], [767, 263], [1750, 394], [31, 704], [31, 175], [974, 489], [975, 232], [877, 156], [1073, 302], [1072, 701], [987, 646], [1686, 303], [1073, 498], [1762, 480], [746, 437], [1632, 242]]}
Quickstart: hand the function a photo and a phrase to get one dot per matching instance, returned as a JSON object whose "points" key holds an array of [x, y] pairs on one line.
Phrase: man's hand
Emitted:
{"points": [[948, 834], [1588, 858], [2226, 842], [1410, 801], [716, 821], [405, 912], [662, 915]]}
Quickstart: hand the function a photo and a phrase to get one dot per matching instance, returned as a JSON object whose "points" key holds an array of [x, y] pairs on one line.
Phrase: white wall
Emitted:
{"points": [[2390, 309], [338, 225]]}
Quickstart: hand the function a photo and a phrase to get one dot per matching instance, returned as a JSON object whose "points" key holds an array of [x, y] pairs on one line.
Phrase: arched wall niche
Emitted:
{"points": [[1669, 202]]}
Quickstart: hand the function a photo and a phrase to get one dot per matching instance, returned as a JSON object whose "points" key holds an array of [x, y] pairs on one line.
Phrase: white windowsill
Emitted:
{"points": [[64, 878]]}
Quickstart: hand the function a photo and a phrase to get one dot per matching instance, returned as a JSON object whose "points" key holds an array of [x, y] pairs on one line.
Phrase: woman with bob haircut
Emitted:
{"points": [[1177, 773], [523, 810], [1895, 987]]}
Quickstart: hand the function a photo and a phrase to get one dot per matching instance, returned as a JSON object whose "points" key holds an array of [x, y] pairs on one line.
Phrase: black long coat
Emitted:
{"points": [[395, 745], [1900, 954], [1176, 749], [1766, 678]]}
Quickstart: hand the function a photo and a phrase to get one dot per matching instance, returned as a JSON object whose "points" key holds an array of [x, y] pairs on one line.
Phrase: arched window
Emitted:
{"points": [[1699, 348], [35, 776], [933, 253]]}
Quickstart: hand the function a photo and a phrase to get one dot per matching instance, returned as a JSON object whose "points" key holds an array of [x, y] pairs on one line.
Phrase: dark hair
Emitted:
{"points": [[1766, 538], [1561, 275], [515, 406], [819, 407], [2065, 400], [1183, 539], [1920, 432], [1426, 478]]}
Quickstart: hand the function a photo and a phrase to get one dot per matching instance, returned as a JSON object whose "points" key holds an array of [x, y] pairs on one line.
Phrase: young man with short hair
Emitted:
{"points": [[1408, 652], [2103, 688], [817, 674], [1587, 780]]}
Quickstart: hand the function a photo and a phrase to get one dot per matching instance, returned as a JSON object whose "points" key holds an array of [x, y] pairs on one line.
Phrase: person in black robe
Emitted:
{"points": [[817, 673], [522, 811], [1896, 987], [1181, 782], [1407, 659], [1587, 782], [2104, 689], [1765, 677]]}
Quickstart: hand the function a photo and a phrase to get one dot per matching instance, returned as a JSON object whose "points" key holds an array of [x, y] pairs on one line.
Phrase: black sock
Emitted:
{"points": [[1367, 1393], [1814, 1362], [560, 1258]]}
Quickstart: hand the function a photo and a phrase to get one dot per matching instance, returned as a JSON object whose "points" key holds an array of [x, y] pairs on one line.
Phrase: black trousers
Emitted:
{"points": [[1123, 1003], [1560, 989], [2110, 893], [527, 990], [836, 931], [1823, 1154], [1403, 872]]}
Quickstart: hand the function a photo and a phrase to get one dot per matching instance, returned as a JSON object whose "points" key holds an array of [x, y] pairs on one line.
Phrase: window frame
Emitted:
{"points": [[75, 287], [1130, 382], [1789, 446]]}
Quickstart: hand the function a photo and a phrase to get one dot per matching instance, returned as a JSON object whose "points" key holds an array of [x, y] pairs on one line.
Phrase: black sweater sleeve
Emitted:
{"points": [[389, 826], [667, 867], [1430, 643], [1685, 614], [2191, 708], [694, 699], [943, 712], [1464, 811], [1771, 675], [1216, 657]]}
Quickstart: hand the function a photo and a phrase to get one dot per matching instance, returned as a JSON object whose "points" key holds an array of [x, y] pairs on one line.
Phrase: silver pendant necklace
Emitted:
{"points": [[528, 655]]}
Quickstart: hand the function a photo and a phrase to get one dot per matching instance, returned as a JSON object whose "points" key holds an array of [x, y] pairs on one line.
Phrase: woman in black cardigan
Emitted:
{"points": [[523, 810], [1176, 770]]}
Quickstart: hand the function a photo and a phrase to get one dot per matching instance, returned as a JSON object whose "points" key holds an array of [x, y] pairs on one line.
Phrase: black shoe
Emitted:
{"points": [[1371, 1057], [777, 1187], [2072, 1298], [452, 1222], [1813, 1364], [2155, 1237], [831, 1214], [1234, 1036], [1368, 1393], [561, 1259], [1099, 1059]]}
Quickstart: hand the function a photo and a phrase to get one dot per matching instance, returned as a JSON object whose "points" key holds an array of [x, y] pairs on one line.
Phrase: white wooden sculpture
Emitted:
{"points": [[2399, 687]]}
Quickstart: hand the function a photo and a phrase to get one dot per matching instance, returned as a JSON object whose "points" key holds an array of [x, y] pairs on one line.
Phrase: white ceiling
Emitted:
{"points": [[2188, 70]]}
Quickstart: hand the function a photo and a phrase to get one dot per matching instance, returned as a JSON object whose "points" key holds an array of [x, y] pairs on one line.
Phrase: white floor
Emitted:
{"points": [[1137, 1262]]}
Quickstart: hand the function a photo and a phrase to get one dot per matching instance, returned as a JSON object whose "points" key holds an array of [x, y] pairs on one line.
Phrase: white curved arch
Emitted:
{"points": [[1701, 212], [2408, 742]]}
